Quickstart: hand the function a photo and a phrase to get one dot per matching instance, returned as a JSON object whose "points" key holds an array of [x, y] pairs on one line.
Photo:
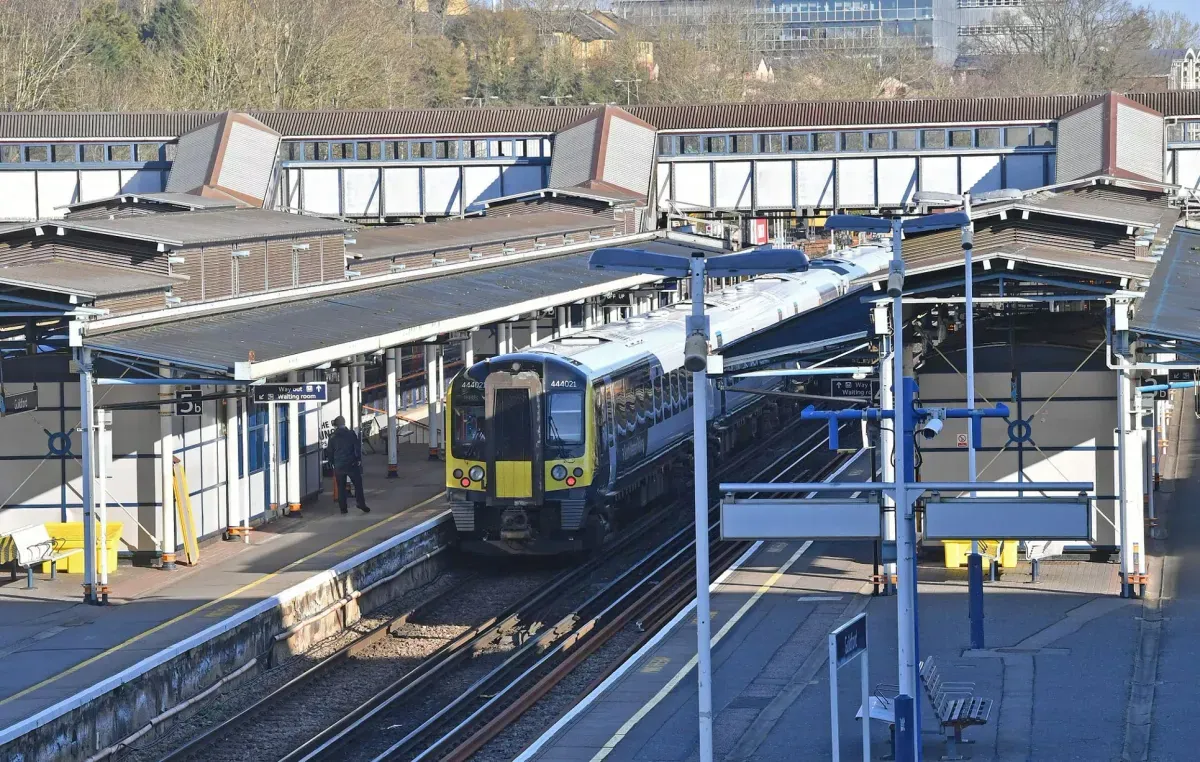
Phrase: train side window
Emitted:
{"points": [[676, 396], [658, 399]]}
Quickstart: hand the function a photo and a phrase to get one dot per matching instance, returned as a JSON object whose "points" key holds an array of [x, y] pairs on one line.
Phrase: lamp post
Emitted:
{"points": [[908, 736], [697, 269]]}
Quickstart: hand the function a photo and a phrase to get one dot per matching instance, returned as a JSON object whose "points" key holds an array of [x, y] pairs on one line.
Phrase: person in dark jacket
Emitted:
{"points": [[344, 454]]}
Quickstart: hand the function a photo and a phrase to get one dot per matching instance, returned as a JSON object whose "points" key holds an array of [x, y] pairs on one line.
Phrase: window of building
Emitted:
{"points": [[447, 149], [770, 143], [904, 140], [147, 151], [533, 147], [476, 149], [64, 153], [852, 141], [257, 424], [743, 144], [506, 148], [878, 141], [799, 143], [987, 137], [37, 153], [423, 150], [343, 151], [826, 142], [1015, 137], [316, 151], [933, 139], [1043, 136], [691, 144], [120, 153], [367, 151], [666, 145], [961, 138], [715, 144], [281, 429]]}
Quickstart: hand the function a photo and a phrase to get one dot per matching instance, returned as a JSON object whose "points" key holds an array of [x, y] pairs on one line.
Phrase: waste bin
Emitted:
{"points": [[69, 535]]}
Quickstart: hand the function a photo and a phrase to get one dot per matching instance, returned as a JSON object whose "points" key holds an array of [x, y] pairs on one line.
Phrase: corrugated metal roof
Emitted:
{"points": [[219, 226], [83, 278], [1102, 203], [549, 119], [1170, 308], [385, 242], [274, 332], [185, 200], [1063, 259]]}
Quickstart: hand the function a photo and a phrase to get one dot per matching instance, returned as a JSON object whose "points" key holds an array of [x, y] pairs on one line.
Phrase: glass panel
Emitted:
{"points": [[905, 140], [877, 141], [506, 148], [933, 139], [770, 143], [281, 436], [987, 137], [518, 148], [743, 144], [1175, 132], [691, 144], [147, 151], [64, 153], [10, 154], [389, 150], [961, 138], [533, 147], [402, 149], [170, 149], [1015, 137], [479, 149], [1043, 136], [426, 149], [666, 145], [38, 153], [311, 150], [120, 153], [852, 141], [715, 144], [322, 151], [363, 151], [826, 141], [564, 420], [94, 153], [799, 143]]}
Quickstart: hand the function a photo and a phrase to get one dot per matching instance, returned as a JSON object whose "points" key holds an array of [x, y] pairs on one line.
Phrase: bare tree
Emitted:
{"points": [[1173, 31], [41, 43]]}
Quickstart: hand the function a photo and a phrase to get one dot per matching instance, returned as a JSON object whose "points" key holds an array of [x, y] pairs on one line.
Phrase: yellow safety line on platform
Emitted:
{"points": [[665, 691], [213, 602]]}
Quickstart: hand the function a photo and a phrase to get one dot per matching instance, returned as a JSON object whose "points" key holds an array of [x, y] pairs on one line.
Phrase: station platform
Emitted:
{"points": [[1058, 662], [53, 646]]}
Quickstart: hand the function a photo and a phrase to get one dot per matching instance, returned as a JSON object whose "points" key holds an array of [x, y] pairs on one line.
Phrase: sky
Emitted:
{"points": [[1190, 7]]}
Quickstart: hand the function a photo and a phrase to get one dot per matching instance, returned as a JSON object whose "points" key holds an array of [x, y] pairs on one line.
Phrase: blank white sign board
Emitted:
{"points": [[799, 519], [981, 518]]}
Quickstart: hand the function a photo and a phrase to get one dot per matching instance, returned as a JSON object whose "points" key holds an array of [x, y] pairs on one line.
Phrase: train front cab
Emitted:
{"points": [[522, 454]]}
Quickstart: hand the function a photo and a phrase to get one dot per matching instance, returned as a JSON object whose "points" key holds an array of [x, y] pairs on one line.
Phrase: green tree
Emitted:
{"points": [[168, 23], [111, 38], [502, 53], [441, 71]]}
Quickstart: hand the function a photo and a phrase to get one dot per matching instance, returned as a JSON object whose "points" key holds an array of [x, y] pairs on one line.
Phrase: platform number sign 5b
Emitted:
{"points": [[187, 402]]}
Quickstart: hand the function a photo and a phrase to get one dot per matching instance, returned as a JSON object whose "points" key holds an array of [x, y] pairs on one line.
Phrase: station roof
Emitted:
{"points": [[1099, 199], [1046, 256], [444, 235], [84, 279], [1171, 308], [549, 119], [209, 227], [268, 340], [186, 201]]}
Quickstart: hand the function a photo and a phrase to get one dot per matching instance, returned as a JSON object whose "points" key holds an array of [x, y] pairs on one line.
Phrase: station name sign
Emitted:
{"points": [[310, 391], [23, 402]]}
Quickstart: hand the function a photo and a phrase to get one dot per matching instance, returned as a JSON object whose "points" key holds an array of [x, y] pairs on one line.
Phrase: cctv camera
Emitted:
{"points": [[895, 284], [968, 239], [695, 353], [931, 428]]}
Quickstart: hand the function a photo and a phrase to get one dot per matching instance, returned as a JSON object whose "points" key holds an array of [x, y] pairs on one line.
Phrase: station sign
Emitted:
{"points": [[187, 402], [979, 518], [309, 391], [799, 519], [850, 640], [857, 388], [1181, 374], [22, 402]]}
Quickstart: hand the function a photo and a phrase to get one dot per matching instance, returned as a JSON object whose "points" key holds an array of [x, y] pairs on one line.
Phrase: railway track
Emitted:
{"points": [[461, 679]]}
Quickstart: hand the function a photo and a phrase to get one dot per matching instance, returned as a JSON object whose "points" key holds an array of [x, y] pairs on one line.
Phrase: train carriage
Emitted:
{"points": [[551, 446]]}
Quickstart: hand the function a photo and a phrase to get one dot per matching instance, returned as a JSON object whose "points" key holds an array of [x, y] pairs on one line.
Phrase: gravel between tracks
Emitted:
{"points": [[463, 599]]}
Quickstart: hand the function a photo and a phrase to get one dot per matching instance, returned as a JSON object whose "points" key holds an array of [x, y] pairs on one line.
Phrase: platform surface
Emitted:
{"points": [[1058, 665], [53, 646]]}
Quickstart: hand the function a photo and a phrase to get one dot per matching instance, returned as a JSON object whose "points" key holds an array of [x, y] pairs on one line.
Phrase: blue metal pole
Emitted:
{"points": [[910, 527], [974, 560]]}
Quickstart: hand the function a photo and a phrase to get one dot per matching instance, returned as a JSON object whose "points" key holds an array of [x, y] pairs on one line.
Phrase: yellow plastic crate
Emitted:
{"points": [[958, 550], [71, 535]]}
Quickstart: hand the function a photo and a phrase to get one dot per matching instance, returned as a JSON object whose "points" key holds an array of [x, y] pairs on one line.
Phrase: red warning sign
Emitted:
{"points": [[962, 440]]}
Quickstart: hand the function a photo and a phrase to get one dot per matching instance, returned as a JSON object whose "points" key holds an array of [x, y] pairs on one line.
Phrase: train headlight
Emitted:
{"points": [[559, 472], [476, 473], [578, 472], [458, 473]]}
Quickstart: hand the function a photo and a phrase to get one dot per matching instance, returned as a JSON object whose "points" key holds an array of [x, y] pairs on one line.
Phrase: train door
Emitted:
{"points": [[610, 428], [514, 454]]}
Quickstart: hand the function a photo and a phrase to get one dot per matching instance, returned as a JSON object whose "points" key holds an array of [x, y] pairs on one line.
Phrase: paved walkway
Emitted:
{"points": [[1062, 665], [52, 645]]}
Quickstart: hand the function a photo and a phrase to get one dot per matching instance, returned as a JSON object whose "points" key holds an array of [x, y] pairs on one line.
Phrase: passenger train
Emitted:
{"points": [[553, 446]]}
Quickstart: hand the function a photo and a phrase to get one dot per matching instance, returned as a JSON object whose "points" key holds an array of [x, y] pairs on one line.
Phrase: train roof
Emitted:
{"points": [[734, 313]]}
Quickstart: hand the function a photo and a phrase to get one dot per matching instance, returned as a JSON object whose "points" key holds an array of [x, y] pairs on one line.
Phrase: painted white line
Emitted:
{"points": [[611, 744], [52, 713], [819, 598], [575, 711]]}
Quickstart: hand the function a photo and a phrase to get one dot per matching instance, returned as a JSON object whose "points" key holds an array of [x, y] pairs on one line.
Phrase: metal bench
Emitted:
{"points": [[32, 545], [881, 706], [955, 705]]}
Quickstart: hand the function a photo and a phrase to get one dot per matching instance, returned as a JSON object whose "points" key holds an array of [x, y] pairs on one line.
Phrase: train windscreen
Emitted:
{"points": [[467, 435], [512, 424], [565, 419]]}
